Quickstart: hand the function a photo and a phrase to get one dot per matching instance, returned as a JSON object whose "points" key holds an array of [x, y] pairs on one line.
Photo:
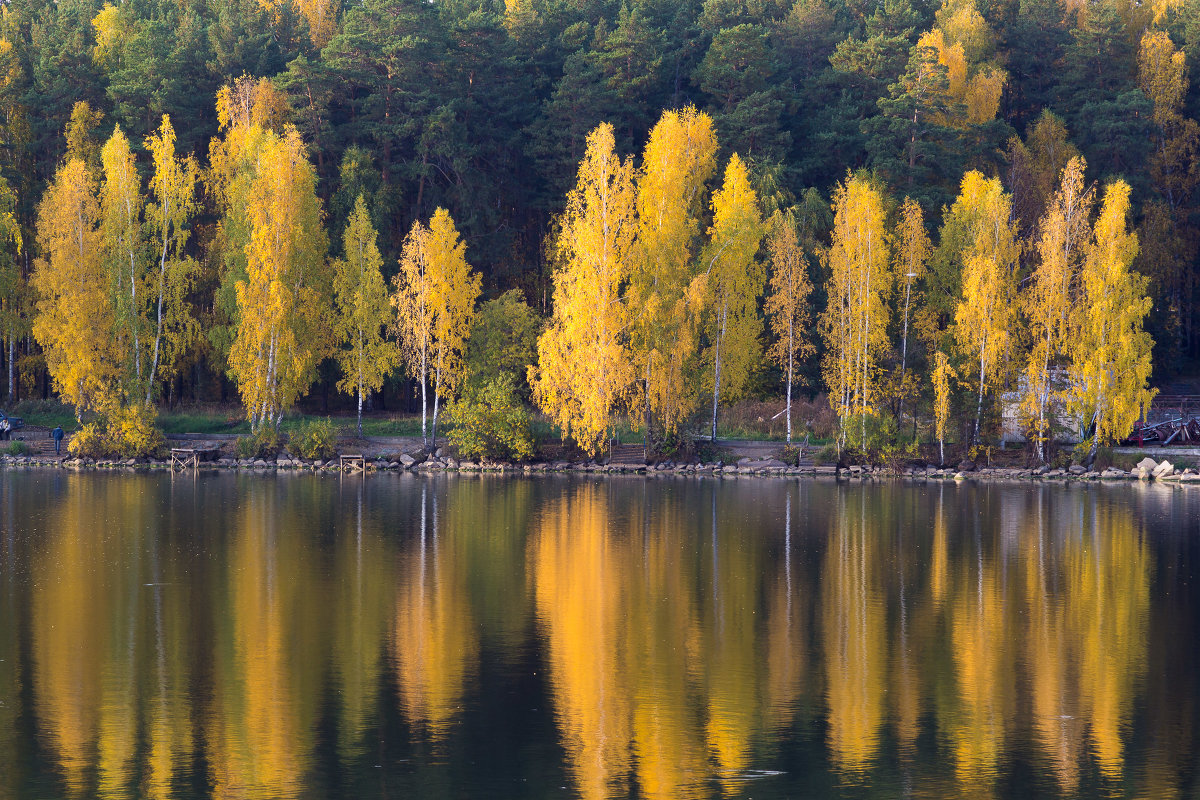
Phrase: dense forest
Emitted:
{"points": [[484, 113]]}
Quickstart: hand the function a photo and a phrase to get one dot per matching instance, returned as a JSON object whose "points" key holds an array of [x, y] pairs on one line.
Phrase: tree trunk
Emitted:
{"points": [[717, 372], [979, 403], [424, 402], [437, 392], [791, 333], [360, 399], [11, 373], [904, 350]]}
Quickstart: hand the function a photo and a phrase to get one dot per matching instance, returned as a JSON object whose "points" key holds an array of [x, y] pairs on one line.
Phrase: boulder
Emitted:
{"points": [[1162, 470], [1147, 464], [1077, 469], [966, 466], [406, 460]]}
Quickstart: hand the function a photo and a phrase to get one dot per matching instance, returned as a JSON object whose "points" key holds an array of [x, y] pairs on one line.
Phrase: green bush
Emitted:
{"points": [[17, 449], [490, 421], [826, 455], [315, 438], [264, 443]]}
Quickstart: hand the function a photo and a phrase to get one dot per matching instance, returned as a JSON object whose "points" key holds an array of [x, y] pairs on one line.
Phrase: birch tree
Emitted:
{"points": [[584, 369], [363, 310], [74, 320], [912, 252], [413, 299], [168, 215], [943, 374], [455, 288], [1109, 347], [1063, 235], [787, 304], [854, 324], [14, 289], [732, 283], [679, 159], [986, 311], [281, 333], [121, 204]]}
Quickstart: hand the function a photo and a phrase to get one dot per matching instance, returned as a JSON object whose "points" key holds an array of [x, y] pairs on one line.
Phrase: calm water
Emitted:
{"points": [[246, 637]]}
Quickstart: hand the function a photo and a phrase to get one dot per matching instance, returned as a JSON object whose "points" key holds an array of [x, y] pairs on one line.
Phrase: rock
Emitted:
{"points": [[771, 463], [1162, 470], [1147, 464], [406, 460], [966, 466], [1077, 469], [958, 476]]}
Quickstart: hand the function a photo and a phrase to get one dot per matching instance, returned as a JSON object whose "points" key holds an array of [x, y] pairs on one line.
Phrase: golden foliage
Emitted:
{"points": [[584, 371], [75, 320], [854, 324], [1109, 347], [679, 159]]}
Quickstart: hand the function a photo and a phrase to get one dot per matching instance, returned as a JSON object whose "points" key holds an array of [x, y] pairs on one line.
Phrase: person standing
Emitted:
{"points": [[5, 429], [57, 433]]}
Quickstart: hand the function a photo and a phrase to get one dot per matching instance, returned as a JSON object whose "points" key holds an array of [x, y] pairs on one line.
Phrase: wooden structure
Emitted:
{"points": [[353, 462], [190, 457]]}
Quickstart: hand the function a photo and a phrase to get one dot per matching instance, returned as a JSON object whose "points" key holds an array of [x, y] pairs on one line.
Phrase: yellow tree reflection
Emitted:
{"points": [[434, 643], [578, 576]]}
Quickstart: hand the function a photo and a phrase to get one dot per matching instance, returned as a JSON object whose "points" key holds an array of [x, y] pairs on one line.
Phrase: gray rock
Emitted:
{"points": [[1163, 469], [1147, 464], [1077, 469], [406, 460]]}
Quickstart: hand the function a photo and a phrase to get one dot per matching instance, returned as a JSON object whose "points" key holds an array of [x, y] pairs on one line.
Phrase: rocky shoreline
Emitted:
{"points": [[1146, 470]]}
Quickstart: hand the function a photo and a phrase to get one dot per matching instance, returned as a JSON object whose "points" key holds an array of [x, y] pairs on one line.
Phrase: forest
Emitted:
{"points": [[645, 209]]}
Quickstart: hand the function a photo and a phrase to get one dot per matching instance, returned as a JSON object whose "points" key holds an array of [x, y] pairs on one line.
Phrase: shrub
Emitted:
{"points": [[119, 432], [315, 438], [89, 441], [826, 455], [17, 449], [490, 421], [264, 443], [1104, 459]]}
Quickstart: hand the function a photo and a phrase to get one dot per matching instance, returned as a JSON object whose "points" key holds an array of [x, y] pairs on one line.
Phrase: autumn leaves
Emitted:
{"points": [[645, 308]]}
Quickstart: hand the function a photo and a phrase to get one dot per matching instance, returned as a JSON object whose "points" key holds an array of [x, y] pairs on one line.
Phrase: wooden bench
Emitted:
{"points": [[353, 462], [185, 457]]}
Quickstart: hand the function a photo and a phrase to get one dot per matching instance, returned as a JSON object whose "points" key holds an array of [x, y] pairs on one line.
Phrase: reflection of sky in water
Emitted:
{"points": [[241, 637]]}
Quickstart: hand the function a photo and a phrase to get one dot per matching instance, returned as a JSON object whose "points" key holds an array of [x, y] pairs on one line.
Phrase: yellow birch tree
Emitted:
{"points": [[363, 310], [455, 288], [14, 289], [943, 373], [584, 370], [281, 303], [413, 302], [912, 252], [732, 283], [787, 302], [121, 204], [74, 320], [1109, 348], [986, 311], [854, 324], [1064, 232], [171, 208], [679, 159]]}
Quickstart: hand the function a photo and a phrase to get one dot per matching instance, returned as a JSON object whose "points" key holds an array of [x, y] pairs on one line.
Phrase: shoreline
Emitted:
{"points": [[1164, 473]]}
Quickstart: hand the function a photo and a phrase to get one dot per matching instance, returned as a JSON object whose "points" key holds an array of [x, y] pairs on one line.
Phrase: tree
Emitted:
{"points": [[124, 244], [455, 289], [986, 309], [584, 370], [679, 159], [1052, 293], [787, 305], [172, 207], [363, 310], [912, 251], [435, 299], [281, 332], [74, 321], [1109, 348], [854, 324], [943, 373], [732, 283], [413, 301], [503, 340], [14, 291]]}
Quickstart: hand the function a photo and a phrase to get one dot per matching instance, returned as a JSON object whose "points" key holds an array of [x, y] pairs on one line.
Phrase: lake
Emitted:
{"points": [[298, 636]]}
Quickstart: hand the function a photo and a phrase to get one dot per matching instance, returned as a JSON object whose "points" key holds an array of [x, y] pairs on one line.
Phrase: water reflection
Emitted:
{"points": [[246, 638]]}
